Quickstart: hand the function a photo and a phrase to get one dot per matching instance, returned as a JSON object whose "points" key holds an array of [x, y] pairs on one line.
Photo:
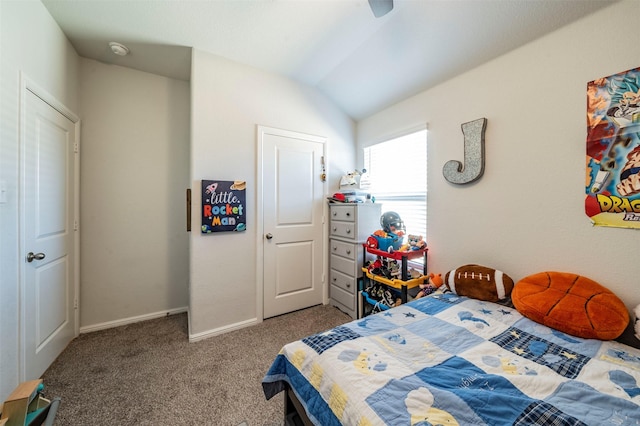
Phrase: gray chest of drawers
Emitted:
{"points": [[349, 227]]}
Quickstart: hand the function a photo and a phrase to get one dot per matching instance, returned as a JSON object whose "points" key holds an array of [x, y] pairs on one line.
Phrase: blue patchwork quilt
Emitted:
{"points": [[450, 360]]}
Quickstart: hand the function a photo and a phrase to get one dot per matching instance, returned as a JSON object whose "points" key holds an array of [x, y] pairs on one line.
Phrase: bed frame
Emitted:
{"points": [[294, 414]]}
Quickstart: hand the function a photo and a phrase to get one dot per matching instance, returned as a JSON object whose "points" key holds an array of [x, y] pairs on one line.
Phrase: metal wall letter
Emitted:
{"points": [[473, 167]]}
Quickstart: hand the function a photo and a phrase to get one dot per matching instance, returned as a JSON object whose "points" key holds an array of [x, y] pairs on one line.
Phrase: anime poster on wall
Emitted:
{"points": [[223, 206], [613, 150]]}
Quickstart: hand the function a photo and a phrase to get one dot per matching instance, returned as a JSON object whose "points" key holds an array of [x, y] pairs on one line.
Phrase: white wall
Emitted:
{"points": [[134, 174], [33, 43], [526, 214], [228, 101]]}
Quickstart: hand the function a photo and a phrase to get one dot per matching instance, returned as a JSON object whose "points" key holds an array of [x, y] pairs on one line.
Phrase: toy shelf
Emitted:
{"points": [[373, 302], [397, 255], [395, 283], [402, 284]]}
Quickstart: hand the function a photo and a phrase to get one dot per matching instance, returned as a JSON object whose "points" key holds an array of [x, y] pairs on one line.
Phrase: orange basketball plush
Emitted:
{"points": [[571, 303]]}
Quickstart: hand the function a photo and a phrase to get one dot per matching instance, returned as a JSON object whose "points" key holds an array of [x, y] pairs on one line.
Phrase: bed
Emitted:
{"points": [[451, 360]]}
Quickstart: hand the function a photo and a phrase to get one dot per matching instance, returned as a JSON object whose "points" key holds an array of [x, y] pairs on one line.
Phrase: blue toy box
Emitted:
{"points": [[392, 240]]}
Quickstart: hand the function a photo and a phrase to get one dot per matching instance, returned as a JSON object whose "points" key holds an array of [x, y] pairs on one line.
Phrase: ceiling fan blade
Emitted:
{"points": [[380, 7]]}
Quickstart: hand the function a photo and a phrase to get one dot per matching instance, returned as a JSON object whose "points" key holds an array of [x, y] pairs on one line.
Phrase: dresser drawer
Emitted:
{"points": [[344, 265], [343, 229], [348, 250], [345, 282], [344, 213], [343, 297]]}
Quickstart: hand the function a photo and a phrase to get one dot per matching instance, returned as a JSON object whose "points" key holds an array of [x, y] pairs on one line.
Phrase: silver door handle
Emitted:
{"points": [[31, 257], [269, 236]]}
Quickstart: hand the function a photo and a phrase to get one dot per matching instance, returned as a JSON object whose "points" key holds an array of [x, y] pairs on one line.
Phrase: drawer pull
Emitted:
{"points": [[348, 285], [335, 229], [348, 214], [335, 248], [335, 279], [348, 251], [335, 213], [348, 231]]}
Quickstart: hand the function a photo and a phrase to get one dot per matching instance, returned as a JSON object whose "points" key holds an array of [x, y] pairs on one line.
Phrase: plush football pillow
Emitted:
{"points": [[479, 282], [571, 303]]}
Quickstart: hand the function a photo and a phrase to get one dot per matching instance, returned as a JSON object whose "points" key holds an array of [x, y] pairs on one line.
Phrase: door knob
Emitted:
{"points": [[31, 256], [269, 236]]}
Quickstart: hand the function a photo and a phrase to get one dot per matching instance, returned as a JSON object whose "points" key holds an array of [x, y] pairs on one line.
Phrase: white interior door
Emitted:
{"points": [[48, 210], [293, 205]]}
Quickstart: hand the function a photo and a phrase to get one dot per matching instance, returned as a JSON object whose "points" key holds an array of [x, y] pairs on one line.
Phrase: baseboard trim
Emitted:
{"points": [[131, 320], [221, 330]]}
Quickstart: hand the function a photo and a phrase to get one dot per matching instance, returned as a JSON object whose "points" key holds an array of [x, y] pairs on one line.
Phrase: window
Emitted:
{"points": [[397, 172]]}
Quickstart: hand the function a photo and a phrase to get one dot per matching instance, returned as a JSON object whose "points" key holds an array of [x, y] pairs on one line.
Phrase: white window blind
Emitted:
{"points": [[397, 171]]}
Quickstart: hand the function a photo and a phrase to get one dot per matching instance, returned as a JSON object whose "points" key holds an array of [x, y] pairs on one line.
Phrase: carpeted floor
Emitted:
{"points": [[149, 374]]}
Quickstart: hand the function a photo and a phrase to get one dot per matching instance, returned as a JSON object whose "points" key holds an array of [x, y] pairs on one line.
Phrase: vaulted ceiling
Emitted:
{"points": [[364, 64]]}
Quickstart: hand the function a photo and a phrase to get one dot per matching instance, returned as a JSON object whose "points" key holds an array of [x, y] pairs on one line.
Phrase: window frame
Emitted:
{"points": [[408, 196]]}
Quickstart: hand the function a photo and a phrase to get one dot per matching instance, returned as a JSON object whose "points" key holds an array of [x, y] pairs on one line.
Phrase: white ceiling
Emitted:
{"points": [[362, 63]]}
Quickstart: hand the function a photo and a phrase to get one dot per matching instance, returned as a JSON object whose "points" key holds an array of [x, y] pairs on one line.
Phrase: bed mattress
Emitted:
{"points": [[450, 360]]}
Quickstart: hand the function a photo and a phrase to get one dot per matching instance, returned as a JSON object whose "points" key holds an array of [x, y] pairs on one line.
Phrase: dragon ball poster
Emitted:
{"points": [[223, 206], [613, 150]]}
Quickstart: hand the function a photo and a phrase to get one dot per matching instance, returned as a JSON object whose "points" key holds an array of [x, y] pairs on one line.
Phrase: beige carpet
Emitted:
{"points": [[149, 374]]}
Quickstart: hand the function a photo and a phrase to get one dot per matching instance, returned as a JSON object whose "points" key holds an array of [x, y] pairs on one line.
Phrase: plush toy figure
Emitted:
{"points": [[433, 282], [415, 242]]}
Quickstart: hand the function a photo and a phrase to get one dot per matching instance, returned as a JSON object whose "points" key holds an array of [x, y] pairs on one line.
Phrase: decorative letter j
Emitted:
{"points": [[473, 167]]}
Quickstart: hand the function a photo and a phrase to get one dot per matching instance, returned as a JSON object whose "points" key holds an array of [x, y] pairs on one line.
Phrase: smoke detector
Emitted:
{"points": [[119, 49]]}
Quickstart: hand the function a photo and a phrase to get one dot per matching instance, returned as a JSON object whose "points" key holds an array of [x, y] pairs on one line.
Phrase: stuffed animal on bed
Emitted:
{"points": [[479, 282], [571, 303], [432, 284]]}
